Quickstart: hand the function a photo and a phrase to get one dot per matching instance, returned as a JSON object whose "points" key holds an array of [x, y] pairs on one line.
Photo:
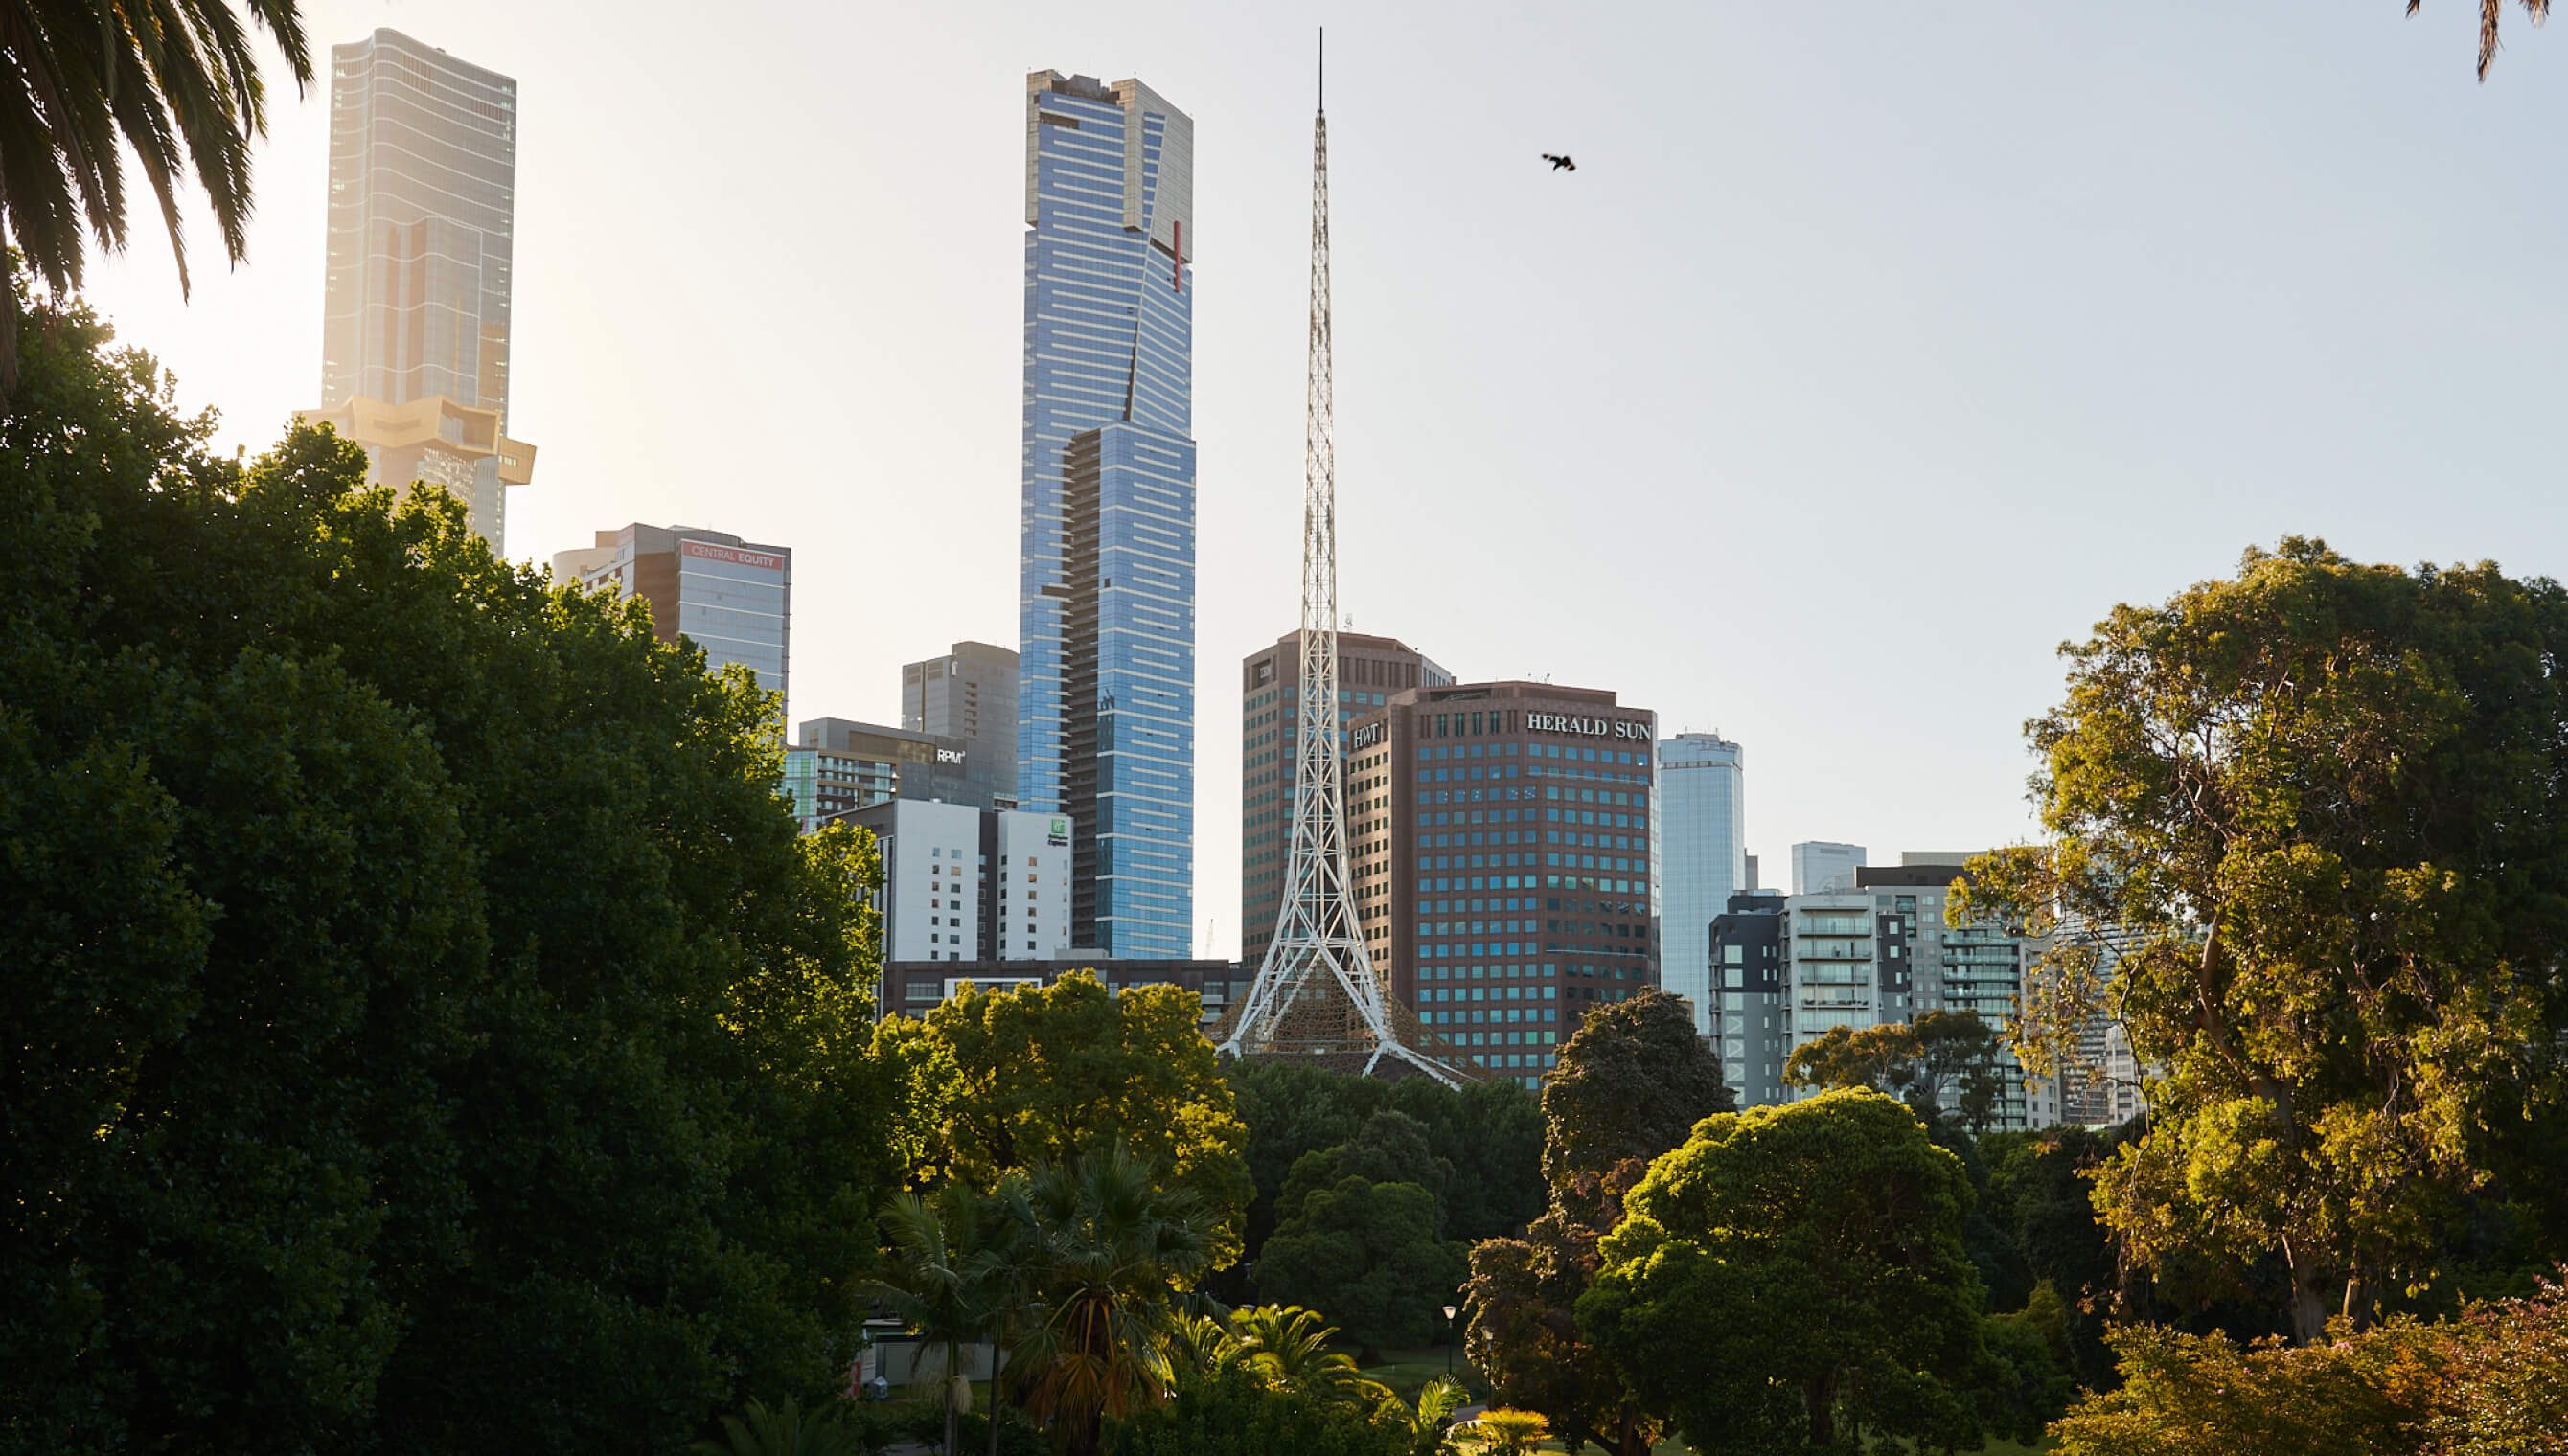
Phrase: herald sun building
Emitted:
{"points": [[1504, 842]]}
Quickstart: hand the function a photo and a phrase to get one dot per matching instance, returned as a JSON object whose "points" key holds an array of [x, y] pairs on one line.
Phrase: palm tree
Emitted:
{"points": [[1289, 1346], [789, 1431], [2490, 11], [176, 80], [937, 1280], [1507, 1433], [1119, 1251], [1008, 1276]]}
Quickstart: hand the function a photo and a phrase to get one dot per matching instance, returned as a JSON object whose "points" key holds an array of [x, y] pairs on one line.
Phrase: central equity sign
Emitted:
{"points": [[758, 560], [1594, 727]]}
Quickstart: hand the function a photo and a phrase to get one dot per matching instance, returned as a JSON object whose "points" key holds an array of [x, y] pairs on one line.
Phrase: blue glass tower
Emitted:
{"points": [[1105, 707]]}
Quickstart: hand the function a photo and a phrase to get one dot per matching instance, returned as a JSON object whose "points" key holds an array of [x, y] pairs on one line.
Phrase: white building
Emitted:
{"points": [[1821, 868], [1702, 859], [967, 883]]}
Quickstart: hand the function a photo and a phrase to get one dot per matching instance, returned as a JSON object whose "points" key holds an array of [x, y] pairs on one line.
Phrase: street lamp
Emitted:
{"points": [[1448, 1337]]}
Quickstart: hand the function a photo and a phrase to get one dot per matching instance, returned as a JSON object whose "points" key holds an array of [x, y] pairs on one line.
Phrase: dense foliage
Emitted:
{"points": [[427, 1031], [1632, 1082], [1007, 1080], [1839, 1209], [1940, 1057], [1264, 1383], [2310, 844]]}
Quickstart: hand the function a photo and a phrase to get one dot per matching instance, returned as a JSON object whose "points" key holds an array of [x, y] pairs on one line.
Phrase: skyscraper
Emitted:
{"points": [[422, 228], [1370, 669], [1703, 858], [969, 694], [1106, 597], [731, 598], [1820, 867]]}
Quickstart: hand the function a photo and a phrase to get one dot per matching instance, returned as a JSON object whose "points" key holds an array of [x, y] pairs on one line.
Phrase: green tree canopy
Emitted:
{"points": [[427, 1029], [1940, 1057], [2322, 814], [1367, 1253], [1049, 1075], [1390, 1147], [1794, 1273], [1633, 1081]]}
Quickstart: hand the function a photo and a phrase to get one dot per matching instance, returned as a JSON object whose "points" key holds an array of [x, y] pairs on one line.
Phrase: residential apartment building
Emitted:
{"points": [[910, 987], [969, 694], [967, 883], [1702, 858], [1501, 838], [1791, 967], [421, 218], [1106, 600], [1819, 867], [1370, 669]]}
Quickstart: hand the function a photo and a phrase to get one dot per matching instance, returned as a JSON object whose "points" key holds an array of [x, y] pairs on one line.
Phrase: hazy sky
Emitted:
{"points": [[1870, 352]]}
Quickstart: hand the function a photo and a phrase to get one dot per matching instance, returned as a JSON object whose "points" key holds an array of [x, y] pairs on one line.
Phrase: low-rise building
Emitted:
{"points": [[966, 884]]}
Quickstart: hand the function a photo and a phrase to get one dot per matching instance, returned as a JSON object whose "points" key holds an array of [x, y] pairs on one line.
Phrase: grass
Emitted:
{"points": [[1406, 1371]]}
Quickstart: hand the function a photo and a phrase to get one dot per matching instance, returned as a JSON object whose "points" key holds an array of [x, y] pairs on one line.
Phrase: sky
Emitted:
{"points": [[1869, 354]]}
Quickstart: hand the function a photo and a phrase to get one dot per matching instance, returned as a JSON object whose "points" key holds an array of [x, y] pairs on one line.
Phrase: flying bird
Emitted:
{"points": [[1561, 163]]}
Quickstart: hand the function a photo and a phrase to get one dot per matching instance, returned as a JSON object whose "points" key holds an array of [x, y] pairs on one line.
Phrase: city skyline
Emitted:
{"points": [[1869, 426]]}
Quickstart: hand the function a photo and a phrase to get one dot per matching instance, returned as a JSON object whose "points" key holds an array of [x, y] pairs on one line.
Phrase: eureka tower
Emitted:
{"points": [[1106, 596]]}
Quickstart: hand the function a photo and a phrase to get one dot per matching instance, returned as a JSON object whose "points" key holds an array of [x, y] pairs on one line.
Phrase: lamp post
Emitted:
{"points": [[1448, 1337]]}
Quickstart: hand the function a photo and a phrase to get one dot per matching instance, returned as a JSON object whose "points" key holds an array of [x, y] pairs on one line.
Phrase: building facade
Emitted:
{"points": [[1702, 858], [725, 595], [421, 234], [967, 883], [1370, 670], [910, 987], [969, 694], [836, 767], [1819, 867], [1500, 835], [1106, 599], [1791, 967]]}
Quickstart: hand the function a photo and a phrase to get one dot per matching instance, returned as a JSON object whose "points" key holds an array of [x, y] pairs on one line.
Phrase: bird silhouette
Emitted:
{"points": [[1561, 163]]}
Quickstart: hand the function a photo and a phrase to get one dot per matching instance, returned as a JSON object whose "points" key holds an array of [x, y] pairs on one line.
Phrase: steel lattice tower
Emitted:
{"points": [[1317, 994]]}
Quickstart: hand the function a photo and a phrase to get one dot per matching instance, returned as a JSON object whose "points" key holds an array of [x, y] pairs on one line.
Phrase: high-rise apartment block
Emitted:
{"points": [[422, 232], [1370, 670], [969, 694], [725, 595], [1501, 840], [967, 883], [1878, 951], [1106, 599], [1703, 858]]}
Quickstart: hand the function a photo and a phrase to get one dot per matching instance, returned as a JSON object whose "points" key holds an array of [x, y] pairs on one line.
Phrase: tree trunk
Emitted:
{"points": [[994, 1395], [2358, 1287], [2308, 1309], [1820, 1396]]}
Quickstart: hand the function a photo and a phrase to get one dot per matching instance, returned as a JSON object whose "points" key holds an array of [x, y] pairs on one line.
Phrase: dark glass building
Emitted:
{"points": [[1501, 839]]}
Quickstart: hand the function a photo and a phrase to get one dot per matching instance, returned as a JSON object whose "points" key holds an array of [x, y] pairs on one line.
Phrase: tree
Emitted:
{"points": [[1118, 1249], [1505, 1432], [1053, 1074], [1632, 1082], [419, 987], [1837, 1209], [1266, 1383], [786, 1430], [1923, 1061], [943, 1283], [1390, 1147], [1366, 1252], [2491, 12], [2321, 808], [1489, 1135], [178, 83]]}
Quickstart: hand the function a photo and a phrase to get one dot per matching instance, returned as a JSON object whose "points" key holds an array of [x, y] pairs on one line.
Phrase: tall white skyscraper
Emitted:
{"points": [[421, 235], [1703, 858]]}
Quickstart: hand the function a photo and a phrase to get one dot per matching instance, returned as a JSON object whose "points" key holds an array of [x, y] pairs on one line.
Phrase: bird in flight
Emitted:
{"points": [[1561, 163]]}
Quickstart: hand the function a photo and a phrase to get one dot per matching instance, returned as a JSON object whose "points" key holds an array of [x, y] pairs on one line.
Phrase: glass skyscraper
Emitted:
{"points": [[1107, 601], [1703, 858], [422, 229]]}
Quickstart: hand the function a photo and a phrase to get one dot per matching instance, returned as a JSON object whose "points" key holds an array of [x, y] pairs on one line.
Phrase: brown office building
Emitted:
{"points": [[1502, 844], [1370, 670]]}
